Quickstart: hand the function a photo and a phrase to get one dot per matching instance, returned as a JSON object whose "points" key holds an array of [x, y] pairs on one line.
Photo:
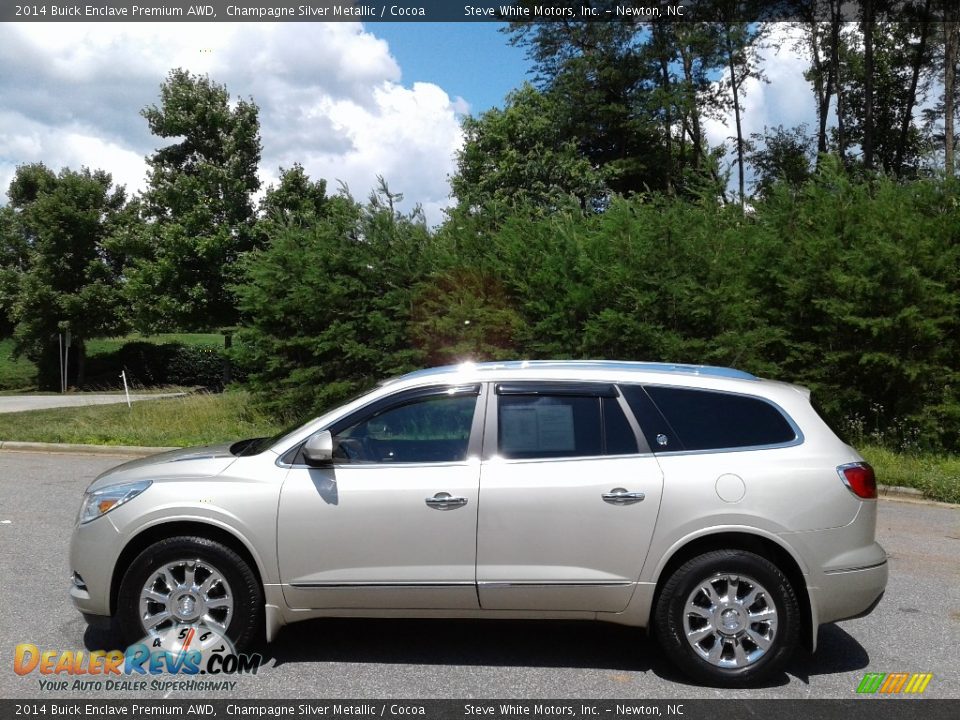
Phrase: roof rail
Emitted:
{"points": [[679, 368]]}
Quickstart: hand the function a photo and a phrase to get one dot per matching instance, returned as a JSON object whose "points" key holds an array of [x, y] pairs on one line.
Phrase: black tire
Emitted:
{"points": [[669, 617], [245, 625]]}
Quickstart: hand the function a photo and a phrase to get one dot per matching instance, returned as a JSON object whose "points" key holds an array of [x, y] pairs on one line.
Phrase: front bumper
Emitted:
{"points": [[94, 549]]}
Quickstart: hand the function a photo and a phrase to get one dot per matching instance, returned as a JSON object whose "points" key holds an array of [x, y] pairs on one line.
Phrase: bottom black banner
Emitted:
{"points": [[859, 709]]}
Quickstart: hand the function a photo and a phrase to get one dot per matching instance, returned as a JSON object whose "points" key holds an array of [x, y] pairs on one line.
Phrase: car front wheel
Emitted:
{"points": [[190, 582], [728, 618]]}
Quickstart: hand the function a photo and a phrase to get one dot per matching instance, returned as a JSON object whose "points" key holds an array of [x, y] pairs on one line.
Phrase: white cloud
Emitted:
{"points": [[785, 99], [330, 97]]}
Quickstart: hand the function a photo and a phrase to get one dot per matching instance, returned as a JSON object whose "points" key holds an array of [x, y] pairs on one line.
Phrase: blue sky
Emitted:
{"points": [[472, 60]]}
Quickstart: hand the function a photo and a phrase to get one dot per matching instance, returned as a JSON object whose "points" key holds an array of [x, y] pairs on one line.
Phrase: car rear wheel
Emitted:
{"points": [[728, 618], [185, 582]]}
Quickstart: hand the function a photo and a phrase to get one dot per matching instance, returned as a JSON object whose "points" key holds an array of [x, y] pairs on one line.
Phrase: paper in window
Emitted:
{"points": [[531, 429], [518, 428], [555, 428]]}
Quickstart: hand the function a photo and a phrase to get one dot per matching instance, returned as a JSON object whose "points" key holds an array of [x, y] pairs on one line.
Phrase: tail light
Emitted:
{"points": [[859, 479]]}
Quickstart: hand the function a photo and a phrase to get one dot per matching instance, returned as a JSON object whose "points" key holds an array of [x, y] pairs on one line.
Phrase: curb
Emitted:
{"points": [[104, 450], [897, 493], [898, 490]]}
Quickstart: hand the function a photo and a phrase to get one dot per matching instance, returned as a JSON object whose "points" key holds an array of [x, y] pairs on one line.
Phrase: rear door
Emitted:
{"points": [[569, 496]]}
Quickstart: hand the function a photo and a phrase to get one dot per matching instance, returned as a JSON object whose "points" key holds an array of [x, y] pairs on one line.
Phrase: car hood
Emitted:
{"points": [[196, 462]]}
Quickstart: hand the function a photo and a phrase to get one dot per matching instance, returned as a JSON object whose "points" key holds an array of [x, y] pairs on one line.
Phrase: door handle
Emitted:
{"points": [[444, 501], [619, 496]]}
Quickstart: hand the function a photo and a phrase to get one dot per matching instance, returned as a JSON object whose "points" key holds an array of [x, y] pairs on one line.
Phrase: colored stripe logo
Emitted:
{"points": [[894, 683]]}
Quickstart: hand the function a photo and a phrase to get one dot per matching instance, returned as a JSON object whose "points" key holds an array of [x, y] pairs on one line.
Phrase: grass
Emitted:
{"points": [[937, 476], [102, 346], [21, 374], [192, 420]]}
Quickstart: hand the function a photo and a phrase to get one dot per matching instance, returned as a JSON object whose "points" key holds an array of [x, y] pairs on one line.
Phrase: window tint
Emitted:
{"points": [[551, 426], [538, 426], [430, 429], [706, 420], [657, 431]]}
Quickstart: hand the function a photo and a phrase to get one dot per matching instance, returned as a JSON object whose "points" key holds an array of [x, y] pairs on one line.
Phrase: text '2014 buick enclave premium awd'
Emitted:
{"points": [[714, 508]]}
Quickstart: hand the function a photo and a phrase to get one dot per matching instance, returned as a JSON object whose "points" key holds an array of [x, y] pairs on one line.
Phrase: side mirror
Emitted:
{"points": [[318, 450]]}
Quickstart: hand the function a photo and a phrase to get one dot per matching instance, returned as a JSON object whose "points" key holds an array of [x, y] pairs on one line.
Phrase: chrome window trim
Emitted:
{"points": [[461, 583], [745, 448], [374, 466], [579, 458], [363, 584], [559, 584]]}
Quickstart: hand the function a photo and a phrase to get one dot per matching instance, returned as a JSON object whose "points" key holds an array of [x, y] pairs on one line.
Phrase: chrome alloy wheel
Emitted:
{"points": [[186, 592], [730, 620]]}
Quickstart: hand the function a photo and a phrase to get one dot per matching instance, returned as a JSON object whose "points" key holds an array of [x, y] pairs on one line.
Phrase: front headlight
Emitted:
{"points": [[100, 502]]}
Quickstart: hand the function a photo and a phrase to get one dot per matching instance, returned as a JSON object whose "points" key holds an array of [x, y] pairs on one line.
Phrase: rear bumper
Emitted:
{"points": [[850, 593]]}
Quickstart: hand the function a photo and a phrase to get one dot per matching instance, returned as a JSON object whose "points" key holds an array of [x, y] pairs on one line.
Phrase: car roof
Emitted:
{"points": [[575, 366]]}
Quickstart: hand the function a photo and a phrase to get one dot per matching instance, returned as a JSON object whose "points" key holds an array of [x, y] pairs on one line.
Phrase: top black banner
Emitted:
{"points": [[633, 11]]}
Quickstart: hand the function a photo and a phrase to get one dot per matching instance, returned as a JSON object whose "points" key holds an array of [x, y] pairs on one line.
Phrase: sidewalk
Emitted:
{"points": [[22, 403], [117, 450]]}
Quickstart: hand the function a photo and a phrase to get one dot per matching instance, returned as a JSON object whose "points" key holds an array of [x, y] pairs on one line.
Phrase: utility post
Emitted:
{"points": [[64, 356]]}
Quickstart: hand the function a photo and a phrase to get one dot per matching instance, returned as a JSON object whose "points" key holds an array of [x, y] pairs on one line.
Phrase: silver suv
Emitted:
{"points": [[712, 507]]}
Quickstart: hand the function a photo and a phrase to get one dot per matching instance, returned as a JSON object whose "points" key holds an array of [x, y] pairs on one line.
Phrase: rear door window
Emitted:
{"points": [[541, 421]]}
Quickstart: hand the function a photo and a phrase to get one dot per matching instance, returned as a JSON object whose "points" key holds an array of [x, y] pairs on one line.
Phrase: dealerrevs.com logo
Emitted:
{"points": [[184, 651]]}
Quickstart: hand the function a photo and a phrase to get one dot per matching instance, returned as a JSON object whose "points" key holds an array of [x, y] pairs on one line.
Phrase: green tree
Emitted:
{"points": [[59, 274], [464, 313], [741, 43], [13, 261], [295, 198], [863, 280], [602, 76], [780, 155], [888, 73], [521, 155], [821, 22], [198, 209], [326, 305]]}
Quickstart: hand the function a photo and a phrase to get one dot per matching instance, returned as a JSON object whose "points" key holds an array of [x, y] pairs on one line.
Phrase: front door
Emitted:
{"points": [[393, 523]]}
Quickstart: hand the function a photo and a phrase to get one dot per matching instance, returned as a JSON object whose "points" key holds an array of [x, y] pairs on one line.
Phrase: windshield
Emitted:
{"points": [[255, 446]]}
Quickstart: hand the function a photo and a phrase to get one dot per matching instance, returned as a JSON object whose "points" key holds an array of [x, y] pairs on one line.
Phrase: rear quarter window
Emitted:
{"points": [[707, 420]]}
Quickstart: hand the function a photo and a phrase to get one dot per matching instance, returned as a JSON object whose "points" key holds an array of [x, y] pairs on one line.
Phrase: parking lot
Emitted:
{"points": [[915, 629]]}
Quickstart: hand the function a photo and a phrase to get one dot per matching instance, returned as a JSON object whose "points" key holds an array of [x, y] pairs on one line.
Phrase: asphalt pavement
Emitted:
{"points": [[915, 629]]}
